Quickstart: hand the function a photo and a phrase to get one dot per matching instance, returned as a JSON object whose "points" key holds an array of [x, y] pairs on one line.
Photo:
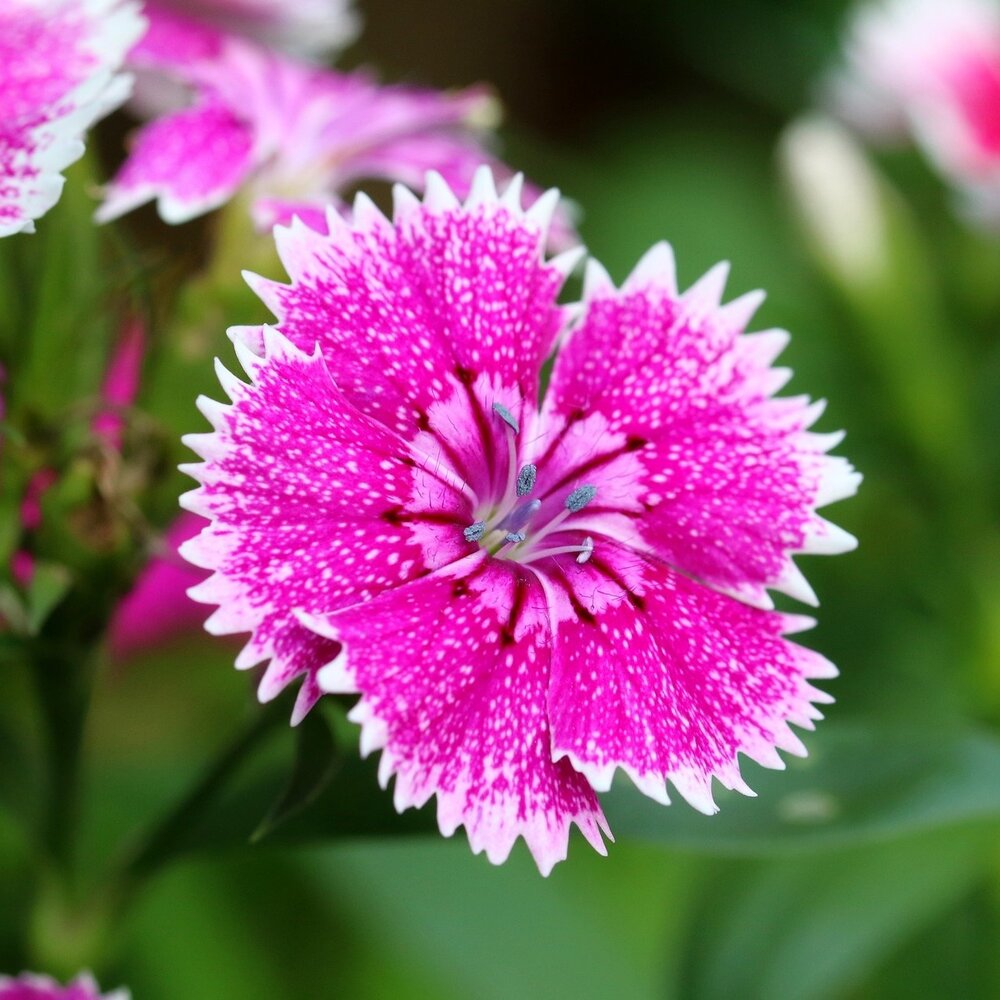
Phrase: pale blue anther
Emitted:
{"points": [[526, 479], [514, 536], [580, 497], [506, 416], [475, 531]]}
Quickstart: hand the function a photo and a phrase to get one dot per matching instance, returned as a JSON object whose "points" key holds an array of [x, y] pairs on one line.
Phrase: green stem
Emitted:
{"points": [[62, 679], [168, 836]]}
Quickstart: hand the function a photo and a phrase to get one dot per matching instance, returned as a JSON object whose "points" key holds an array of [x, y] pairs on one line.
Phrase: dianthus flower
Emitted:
{"points": [[305, 27], [58, 63], [293, 135], [30, 986], [932, 68], [529, 590], [157, 608]]}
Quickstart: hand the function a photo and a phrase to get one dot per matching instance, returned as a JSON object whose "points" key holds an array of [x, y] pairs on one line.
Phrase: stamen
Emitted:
{"points": [[506, 416], [474, 532], [575, 502], [526, 479], [582, 552], [580, 497], [514, 537]]}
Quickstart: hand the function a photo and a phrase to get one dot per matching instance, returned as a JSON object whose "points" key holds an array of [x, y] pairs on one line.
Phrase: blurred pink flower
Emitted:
{"points": [[23, 562], [302, 27], [527, 595], [58, 64], [31, 986], [931, 69], [294, 136], [121, 381], [158, 608]]}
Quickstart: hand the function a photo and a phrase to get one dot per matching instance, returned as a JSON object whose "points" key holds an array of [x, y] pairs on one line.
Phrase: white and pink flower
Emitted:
{"points": [[528, 589], [59, 62], [300, 27], [292, 136], [931, 69], [31, 986]]}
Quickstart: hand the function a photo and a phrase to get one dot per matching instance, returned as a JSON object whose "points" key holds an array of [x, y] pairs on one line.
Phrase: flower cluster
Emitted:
{"points": [[932, 69], [528, 591], [58, 75]]}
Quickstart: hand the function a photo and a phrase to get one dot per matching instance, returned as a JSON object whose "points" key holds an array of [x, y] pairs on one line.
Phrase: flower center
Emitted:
{"points": [[509, 528]]}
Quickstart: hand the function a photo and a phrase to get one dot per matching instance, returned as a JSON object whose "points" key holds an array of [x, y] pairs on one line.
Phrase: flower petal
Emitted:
{"points": [[191, 161], [57, 60], [671, 680], [445, 291], [453, 693], [158, 607], [308, 500], [732, 475]]}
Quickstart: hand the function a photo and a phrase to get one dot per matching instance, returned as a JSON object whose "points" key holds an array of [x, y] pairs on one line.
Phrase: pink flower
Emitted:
{"points": [[527, 593], [157, 608], [121, 381], [58, 60], [23, 562], [30, 986], [934, 69], [303, 27], [291, 135]]}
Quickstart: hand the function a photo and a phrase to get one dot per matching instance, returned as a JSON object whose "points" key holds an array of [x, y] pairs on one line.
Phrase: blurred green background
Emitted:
{"points": [[869, 870]]}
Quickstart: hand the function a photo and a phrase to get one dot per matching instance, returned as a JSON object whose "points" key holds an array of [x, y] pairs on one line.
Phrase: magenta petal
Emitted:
{"points": [[157, 608], [57, 65], [672, 681], [732, 475], [305, 495], [190, 162], [121, 381], [446, 291], [175, 43], [312, 27], [453, 693]]}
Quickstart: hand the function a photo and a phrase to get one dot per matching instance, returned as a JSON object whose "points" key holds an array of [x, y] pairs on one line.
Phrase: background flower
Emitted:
{"points": [[58, 60], [30, 986], [297, 137], [307, 27], [932, 69]]}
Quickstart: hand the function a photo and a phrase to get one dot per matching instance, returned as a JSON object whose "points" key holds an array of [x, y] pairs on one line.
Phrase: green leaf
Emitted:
{"points": [[49, 584], [956, 956], [594, 928], [815, 926], [859, 785], [53, 290], [315, 764], [12, 609]]}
